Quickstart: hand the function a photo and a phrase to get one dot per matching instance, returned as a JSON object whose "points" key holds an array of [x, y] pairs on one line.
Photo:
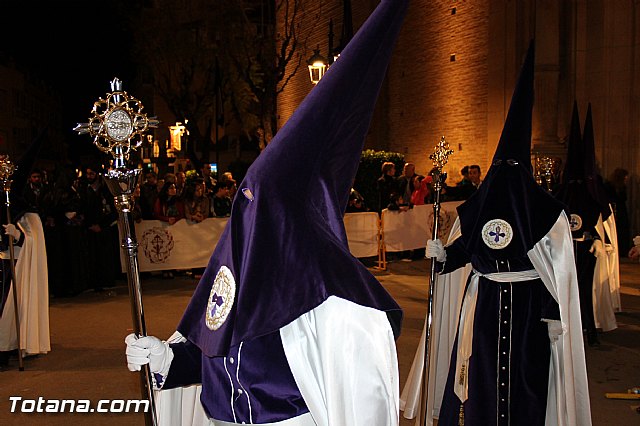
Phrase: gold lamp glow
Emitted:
{"points": [[177, 132], [317, 66]]}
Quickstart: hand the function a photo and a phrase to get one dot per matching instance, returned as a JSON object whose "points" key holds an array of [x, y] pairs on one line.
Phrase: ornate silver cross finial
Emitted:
{"points": [[117, 123]]}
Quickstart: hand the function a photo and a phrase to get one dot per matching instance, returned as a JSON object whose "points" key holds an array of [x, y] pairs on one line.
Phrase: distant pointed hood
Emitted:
{"points": [[509, 198], [573, 191], [284, 250], [594, 180], [574, 168]]}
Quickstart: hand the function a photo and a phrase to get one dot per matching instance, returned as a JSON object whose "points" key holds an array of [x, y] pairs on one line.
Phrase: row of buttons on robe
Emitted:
{"points": [[504, 348], [241, 403]]}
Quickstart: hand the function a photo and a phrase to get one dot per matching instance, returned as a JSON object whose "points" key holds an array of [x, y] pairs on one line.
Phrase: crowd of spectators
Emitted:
{"points": [[402, 192], [80, 219]]}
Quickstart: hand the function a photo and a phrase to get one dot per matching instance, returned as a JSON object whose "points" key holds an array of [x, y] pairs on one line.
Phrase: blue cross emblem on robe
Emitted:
{"points": [[497, 233]]}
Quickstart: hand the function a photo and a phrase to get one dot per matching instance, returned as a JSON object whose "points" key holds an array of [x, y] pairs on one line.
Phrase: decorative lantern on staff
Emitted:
{"points": [[439, 157], [118, 125], [6, 171], [544, 172]]}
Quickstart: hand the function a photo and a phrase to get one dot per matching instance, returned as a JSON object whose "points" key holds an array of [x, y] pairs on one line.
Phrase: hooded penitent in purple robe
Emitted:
{"points": [[518, 356], [284, 256]]}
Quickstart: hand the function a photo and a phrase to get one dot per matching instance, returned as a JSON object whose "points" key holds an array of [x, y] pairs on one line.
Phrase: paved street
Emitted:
{"points": [[87, 358]]}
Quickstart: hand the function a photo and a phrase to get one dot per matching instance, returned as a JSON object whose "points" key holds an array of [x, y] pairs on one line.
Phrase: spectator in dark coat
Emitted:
{"points": [[148, 195], [101, 223], [386, 185]]}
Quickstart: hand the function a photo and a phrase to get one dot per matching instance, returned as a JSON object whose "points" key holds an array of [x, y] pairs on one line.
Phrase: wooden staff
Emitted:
{"points": [[6, 170], [439, 157]]}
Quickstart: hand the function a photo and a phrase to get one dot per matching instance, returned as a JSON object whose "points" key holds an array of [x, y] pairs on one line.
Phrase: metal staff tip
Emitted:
{"points": [[441, 153]]}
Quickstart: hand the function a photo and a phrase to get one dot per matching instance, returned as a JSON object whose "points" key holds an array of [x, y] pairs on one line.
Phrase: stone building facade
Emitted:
{"points": [[456, 63]]}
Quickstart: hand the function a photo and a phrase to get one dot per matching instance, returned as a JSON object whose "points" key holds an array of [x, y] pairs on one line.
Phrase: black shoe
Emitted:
{"points": [[592, 339]]}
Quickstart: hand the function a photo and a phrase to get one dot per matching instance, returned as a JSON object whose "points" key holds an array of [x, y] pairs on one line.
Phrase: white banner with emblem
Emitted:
{"points": [[183, 245], [187, 244]]}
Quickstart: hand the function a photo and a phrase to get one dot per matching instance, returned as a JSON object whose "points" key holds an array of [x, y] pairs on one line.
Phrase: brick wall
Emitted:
{"points": [[313, 33], [426, 94], [438, 84]]}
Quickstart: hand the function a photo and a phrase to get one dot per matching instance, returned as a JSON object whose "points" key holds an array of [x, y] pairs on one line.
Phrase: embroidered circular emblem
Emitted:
{"points": [[497, 234], [157, 244], [223, 293], [575, 222]]}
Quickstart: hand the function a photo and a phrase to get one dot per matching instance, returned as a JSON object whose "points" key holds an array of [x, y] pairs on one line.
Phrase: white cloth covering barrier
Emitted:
{"points": [[187, 244], [411, 229], [362, 233], [183, 245]]}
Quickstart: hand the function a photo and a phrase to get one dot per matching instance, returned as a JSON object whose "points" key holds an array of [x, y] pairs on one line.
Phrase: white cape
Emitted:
{"points": [[343, 358], [447, 289], [33, 294], [568, 396]]}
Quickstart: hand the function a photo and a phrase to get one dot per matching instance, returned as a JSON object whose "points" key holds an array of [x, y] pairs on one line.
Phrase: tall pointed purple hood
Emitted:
{"points": [[515, 139], [509, 196], [284, 250]]}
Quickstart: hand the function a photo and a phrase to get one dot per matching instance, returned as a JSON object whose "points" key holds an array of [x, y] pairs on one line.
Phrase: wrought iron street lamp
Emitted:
{"points": [[317, 63], [317, 66]]}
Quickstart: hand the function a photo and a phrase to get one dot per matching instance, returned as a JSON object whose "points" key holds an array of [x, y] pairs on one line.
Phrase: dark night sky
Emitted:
{"points": [[76, 46]]}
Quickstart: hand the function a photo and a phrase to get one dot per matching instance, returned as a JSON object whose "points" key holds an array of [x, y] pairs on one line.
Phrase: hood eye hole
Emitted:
{"points": [[496, 162], [512, 162]]}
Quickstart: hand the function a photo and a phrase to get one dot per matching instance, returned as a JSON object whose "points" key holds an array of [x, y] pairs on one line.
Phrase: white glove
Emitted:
{"points": [[148, 350], [436, 249], [555, 329], [636, 241], [11, 229]]}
